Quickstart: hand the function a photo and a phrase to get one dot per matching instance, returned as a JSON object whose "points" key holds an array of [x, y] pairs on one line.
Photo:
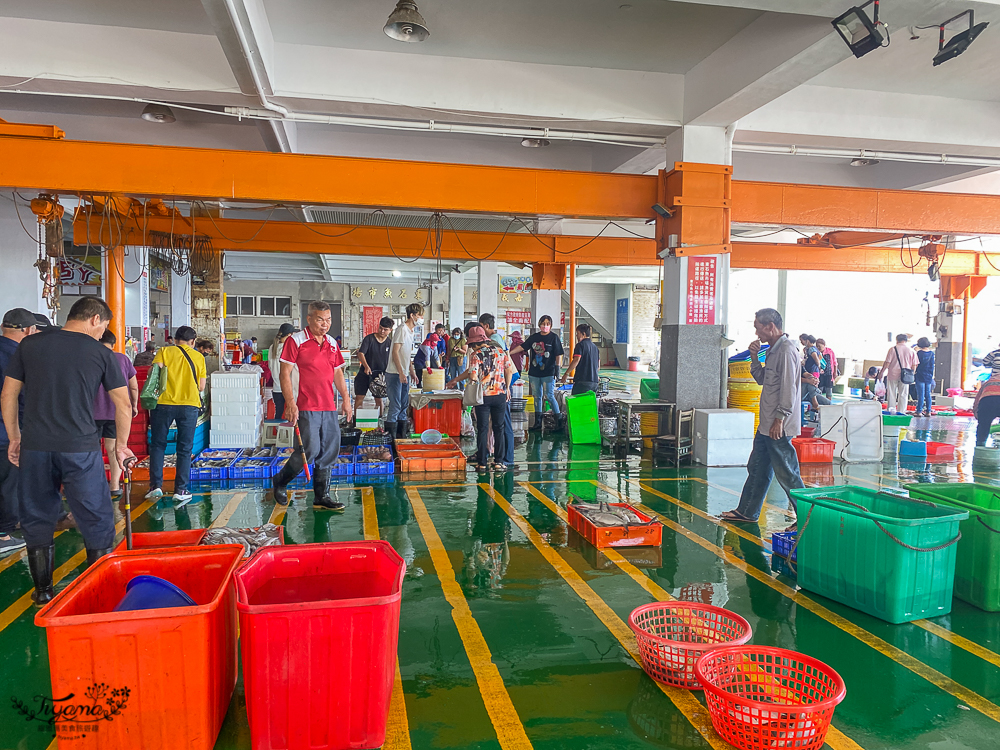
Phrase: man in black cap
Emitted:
{"points": [[17, 325], [61, 443]]}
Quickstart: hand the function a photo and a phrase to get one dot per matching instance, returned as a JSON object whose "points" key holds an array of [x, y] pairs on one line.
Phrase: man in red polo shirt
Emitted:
{"points": [[321, 368]]}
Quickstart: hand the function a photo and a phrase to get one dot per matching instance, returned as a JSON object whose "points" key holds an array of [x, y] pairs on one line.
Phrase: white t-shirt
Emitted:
{"points": [[402, 335]]}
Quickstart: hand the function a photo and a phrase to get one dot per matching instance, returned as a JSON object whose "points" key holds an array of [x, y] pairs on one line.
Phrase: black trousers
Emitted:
{"points": [[988, 410], [493, 409], [9, 515], [82, 478]]}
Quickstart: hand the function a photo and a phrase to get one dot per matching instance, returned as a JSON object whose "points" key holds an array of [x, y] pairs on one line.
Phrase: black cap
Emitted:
{"points": [[41, 321], [19, 318], [286, 329]]}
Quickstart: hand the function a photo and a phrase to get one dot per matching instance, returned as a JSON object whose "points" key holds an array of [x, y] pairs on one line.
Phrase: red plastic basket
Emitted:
{"points": [[673, 635], [762, 698]]}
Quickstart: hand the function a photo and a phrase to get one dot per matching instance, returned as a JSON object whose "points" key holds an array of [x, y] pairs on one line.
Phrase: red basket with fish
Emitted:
{"points": [[614, 525]]}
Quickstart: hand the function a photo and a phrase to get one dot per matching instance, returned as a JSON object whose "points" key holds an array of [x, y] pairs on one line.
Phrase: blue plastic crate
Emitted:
{"points": [[365, 468], [782, 543], [259, 468], [211, 473], [912, 448]]}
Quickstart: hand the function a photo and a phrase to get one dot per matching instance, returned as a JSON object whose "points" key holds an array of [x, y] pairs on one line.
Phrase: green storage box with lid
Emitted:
{"points": [[890, 556], [582, 420], [977, 562]]}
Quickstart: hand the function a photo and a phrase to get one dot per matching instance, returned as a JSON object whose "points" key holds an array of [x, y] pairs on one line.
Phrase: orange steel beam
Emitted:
{"points": [[910, 211], [115, 291], [62, 166], [297, 237], [332, 239], [861, 258]]}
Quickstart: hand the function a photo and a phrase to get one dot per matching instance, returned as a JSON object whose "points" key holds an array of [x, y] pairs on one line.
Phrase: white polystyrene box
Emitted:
{"points": [[723, 452], [856, 428], [723, 424]]}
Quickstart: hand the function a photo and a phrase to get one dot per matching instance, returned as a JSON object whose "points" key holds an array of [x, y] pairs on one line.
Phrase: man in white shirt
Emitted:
{"points": [[400, 370]]}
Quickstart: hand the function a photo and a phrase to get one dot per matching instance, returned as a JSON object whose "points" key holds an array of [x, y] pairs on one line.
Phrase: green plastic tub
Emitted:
{"points": [[977, 562], [649, 389], [581, 417], [864, 556]]}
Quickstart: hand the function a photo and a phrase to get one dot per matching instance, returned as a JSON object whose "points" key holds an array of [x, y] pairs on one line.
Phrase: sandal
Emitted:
{"points": [[732, 515]]}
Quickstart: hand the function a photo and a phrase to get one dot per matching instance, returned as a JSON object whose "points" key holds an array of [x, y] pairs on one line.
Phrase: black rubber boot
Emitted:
{"points": [[321, 492], [93, 555], [390, 429], [289, 471], [403, 428], [41, 563]]}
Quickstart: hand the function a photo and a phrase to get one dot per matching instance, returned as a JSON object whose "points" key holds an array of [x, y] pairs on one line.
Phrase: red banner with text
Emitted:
{"points": [[370, 316]]}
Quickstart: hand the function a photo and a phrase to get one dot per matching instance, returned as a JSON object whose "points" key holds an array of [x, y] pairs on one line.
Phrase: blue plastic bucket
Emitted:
{"points": [[150, 592]]}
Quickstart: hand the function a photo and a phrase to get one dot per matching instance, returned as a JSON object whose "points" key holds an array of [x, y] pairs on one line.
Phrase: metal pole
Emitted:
{"points": [[115, 286], [965, 338], [571, 337]]}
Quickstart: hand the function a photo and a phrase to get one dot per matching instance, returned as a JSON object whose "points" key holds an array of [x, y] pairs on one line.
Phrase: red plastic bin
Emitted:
{"points": [[177, 665], [650, 534], [166, 539], [941, 450], [319, 626], [762, 698], [441, 414], [814, 450]]}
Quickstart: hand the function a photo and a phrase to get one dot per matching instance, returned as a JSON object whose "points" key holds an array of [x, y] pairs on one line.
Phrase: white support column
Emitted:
{"points": [[488, 288], [547, 302], [695, 295], [136, 272], [180, 300], [456, 300]]}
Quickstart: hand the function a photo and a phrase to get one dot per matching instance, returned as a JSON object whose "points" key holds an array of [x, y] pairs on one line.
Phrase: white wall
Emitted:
{"points": [[20, 285]]}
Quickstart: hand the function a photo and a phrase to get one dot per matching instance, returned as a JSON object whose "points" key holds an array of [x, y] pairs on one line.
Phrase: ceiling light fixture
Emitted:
{"points": [[397, 274], [863, 162], [861, 33], [158, 113], [961, 41], [534, 142], [405, 24]]}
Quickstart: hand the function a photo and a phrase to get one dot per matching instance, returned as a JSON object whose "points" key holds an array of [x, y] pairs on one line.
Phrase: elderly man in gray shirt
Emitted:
{"points": [[780, 414]]}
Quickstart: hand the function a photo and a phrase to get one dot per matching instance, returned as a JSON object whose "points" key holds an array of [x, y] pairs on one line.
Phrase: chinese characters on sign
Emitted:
{"points": [[515, 284], [701, 290], [370, 317], [518, 317]]}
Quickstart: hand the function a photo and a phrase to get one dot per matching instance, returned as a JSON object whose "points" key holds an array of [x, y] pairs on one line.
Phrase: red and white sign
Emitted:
{"points": [[370, 317], [518, 317], [701, 290]]}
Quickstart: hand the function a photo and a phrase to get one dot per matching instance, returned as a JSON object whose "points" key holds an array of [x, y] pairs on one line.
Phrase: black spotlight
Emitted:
{"points": [[961, 41], [861, 33]]}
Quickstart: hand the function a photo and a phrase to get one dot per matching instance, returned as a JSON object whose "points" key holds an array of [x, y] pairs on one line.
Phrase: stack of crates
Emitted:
{"points": [[237, 410], [137, 439]]}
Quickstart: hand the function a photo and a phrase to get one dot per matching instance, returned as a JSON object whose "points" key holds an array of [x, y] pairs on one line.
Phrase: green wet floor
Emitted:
{"points": [[561, 678]]}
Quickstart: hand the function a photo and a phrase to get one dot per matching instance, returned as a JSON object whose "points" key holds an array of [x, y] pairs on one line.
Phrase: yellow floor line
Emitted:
{"points": [[19, 607], [19, 555], [506, 722], [684, 700], [397, 730], [835, 738], [223, 518], [953, 638], [968, 697], [278, 514]]}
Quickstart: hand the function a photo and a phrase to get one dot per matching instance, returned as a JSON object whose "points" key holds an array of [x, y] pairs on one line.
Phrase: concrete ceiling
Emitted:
{"points": [[773, 69], [647, 35]]}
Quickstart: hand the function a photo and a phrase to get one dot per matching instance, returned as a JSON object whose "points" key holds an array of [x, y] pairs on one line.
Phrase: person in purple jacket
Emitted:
{"points": [[104, 412]]}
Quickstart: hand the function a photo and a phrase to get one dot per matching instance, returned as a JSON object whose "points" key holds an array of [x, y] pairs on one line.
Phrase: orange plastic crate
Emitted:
{"points": [[177, 665], [451, 459], [814, 450], [442, 414], [164, 539], [648, 535]]}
